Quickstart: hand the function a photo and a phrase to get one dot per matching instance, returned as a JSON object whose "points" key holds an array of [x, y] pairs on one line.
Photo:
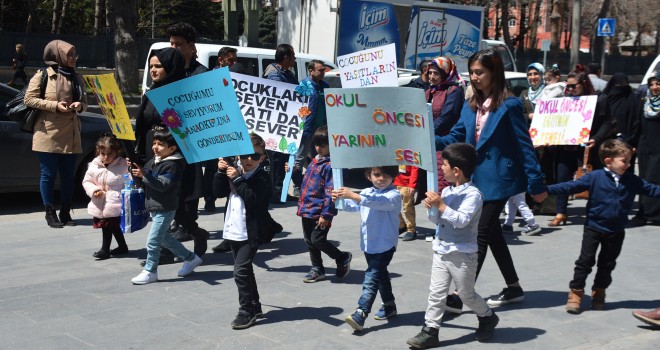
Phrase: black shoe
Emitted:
{"points": [[487, 327], [454, 304], [101, 255], [258, 313], [508, 295], [427, 338], [637, 221], [243, 321], [51, 217], [344, 266], [201, 238], [182, 235], [119, 250], [165, 259], [223, 247], [65, 216], [209, 206]]}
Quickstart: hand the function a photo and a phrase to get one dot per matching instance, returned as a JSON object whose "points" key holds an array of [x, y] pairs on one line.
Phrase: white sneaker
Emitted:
{"points": [[189, 266], [145, 277], [429, 238]]}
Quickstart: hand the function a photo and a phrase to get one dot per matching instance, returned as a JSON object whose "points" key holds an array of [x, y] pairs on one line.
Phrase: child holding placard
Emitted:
{"points": [[379, 208]]}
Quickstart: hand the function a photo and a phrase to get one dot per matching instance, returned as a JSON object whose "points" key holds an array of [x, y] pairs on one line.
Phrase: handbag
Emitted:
{"points": [[25, 116], [134, 216]]}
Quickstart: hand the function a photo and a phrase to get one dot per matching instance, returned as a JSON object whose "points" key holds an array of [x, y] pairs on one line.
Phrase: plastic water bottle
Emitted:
{"points": [[128, 182]]}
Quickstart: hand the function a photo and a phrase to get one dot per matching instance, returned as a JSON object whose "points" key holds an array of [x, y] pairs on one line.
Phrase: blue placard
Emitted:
{"points": [[365, 25], [203, 114], [606, 26]]}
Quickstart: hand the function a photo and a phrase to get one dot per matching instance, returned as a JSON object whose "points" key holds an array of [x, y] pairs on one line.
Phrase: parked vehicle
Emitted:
{"points": [[653, 68], [20, 171], [253, 60]]}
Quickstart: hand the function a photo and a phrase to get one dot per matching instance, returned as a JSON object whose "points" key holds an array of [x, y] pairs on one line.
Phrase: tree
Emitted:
{"points": [[65, 5], [123, 20], [53, 27], [99, 9], [535, 24]]}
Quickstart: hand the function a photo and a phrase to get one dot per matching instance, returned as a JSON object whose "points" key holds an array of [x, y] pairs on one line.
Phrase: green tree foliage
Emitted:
{"points": [[268, 27]]}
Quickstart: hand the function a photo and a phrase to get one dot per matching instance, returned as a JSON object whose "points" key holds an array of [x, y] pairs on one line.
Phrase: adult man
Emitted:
{"points": [[421, 82], [313, 121], [182, 37], [285, 58], [594, 75], [226, 57]]}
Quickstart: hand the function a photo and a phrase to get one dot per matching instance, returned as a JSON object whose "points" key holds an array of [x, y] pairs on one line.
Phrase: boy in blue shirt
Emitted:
{"points": [[612, 191], [379, 208], [316, 209], [455, 246]]}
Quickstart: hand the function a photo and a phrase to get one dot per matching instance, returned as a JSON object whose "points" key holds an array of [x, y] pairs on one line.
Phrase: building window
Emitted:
{"points": [[490, 23], [512, 22]]}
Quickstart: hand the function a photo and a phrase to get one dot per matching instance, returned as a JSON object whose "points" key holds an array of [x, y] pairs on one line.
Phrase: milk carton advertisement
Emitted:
{"points": [[366, 25], [451, 31]]}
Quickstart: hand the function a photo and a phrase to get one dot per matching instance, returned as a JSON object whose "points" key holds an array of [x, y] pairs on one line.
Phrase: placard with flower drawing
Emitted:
{"points": [[274, 110], [203, 114], [563, 121], [112, 105]]}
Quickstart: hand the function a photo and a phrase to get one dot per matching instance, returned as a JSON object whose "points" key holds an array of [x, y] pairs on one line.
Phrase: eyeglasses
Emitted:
{"points": [[253, 156], [72, 55], [572, 86]]}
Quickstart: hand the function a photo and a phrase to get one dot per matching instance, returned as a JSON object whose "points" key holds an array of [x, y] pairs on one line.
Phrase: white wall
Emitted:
{"points": [[309, 26]]}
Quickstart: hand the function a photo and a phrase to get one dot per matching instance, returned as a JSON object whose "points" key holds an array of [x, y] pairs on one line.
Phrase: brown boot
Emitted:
{"points": [[598, 299], [574, 300]]}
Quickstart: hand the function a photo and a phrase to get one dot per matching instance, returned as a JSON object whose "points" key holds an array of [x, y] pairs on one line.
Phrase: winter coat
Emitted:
{"points": [[108, 179], [54, 132], [162, 183]]}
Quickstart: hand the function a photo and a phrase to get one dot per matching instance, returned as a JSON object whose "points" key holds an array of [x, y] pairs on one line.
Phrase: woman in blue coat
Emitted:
{"points": [[492, 120]]}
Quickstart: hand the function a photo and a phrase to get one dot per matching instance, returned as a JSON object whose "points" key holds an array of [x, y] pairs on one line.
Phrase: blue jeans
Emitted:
{"points": [[51, 163], [159, 237], [376, 279]]}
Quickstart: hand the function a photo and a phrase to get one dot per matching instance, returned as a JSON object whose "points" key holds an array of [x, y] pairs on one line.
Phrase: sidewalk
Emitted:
{"points": [[54, 295]]}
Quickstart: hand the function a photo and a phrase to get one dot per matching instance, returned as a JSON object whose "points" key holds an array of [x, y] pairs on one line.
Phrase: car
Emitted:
{"points": [[21, 170], [653, 68]]}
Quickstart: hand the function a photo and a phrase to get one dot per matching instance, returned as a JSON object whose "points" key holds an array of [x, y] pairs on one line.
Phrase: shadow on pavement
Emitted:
{"points": [[281, 314]]}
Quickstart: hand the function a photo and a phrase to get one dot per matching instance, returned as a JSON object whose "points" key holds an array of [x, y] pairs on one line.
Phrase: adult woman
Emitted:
{"points": [[167, 66], [649, 152], [493, 121], [566, 157], [536, 81], [57, 129]]}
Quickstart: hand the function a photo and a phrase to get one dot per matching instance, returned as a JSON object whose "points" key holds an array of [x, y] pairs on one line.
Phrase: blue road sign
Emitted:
{"points": [[606, 26]]}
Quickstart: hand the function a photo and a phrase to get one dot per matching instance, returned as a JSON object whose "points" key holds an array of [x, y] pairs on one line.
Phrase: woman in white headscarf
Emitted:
{"points": [[535, 77], [57, 129]]}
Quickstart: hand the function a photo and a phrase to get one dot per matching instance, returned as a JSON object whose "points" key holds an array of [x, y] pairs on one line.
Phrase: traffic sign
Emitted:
{"points": [[606, 26]]}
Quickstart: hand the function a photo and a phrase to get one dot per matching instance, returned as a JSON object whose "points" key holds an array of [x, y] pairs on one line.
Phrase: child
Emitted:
{"points": [[316, 209], [103, 182], [517, 203], [455, 246], [161, 177], [247, 222], [612, 191], [379, 208], [406, 182]]}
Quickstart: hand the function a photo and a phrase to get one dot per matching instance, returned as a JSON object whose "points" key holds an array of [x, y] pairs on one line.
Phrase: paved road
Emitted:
{"points": [[54, 295]]}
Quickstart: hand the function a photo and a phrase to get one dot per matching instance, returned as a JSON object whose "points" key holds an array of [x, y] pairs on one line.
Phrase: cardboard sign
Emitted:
{"points": [[271, 109], [112, 104], [379, 126], [204, 116], [369, 68], [563, 121]]}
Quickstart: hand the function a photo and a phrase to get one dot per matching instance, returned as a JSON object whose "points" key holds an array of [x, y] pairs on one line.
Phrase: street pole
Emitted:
{"points": [[575, 33], [153, 17]]}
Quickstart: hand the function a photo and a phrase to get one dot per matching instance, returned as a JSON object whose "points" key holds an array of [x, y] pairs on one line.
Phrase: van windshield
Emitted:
{"points": [[506, 57]]}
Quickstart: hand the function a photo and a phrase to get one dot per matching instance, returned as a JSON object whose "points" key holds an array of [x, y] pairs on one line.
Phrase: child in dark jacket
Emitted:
{"points": [[161, 177], [316, 209], [249, 189], [612, 191]]}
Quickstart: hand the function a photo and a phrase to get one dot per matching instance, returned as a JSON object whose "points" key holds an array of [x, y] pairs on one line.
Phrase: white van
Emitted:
{"points": [[501, 48], [253, 60]]}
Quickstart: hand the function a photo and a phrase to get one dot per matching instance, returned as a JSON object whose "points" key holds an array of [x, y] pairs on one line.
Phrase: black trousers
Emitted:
{"points": [[317, 242], [490, 235], [210, 168], [277, 172], [248, 295], [610, 248]]}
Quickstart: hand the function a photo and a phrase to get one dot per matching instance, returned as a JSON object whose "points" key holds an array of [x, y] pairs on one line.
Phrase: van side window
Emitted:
{"points": [[506, 59], [267, 61], [243, 65]]}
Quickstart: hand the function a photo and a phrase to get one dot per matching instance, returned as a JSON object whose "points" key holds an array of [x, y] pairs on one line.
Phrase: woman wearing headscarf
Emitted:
{"points": [[167, 66], [57, 129], [649, 152], [620, 110], [529, 97]]}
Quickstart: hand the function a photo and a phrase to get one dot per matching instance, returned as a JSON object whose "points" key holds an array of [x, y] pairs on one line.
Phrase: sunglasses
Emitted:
{"points": [[572, 86], [253, 156]]}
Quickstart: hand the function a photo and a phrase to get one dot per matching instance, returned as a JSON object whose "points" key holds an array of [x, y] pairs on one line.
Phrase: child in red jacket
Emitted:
{"points": [[406, 182]]}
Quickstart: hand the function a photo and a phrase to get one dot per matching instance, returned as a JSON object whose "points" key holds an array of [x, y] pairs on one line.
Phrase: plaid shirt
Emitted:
{"points": [[315, 192]]}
